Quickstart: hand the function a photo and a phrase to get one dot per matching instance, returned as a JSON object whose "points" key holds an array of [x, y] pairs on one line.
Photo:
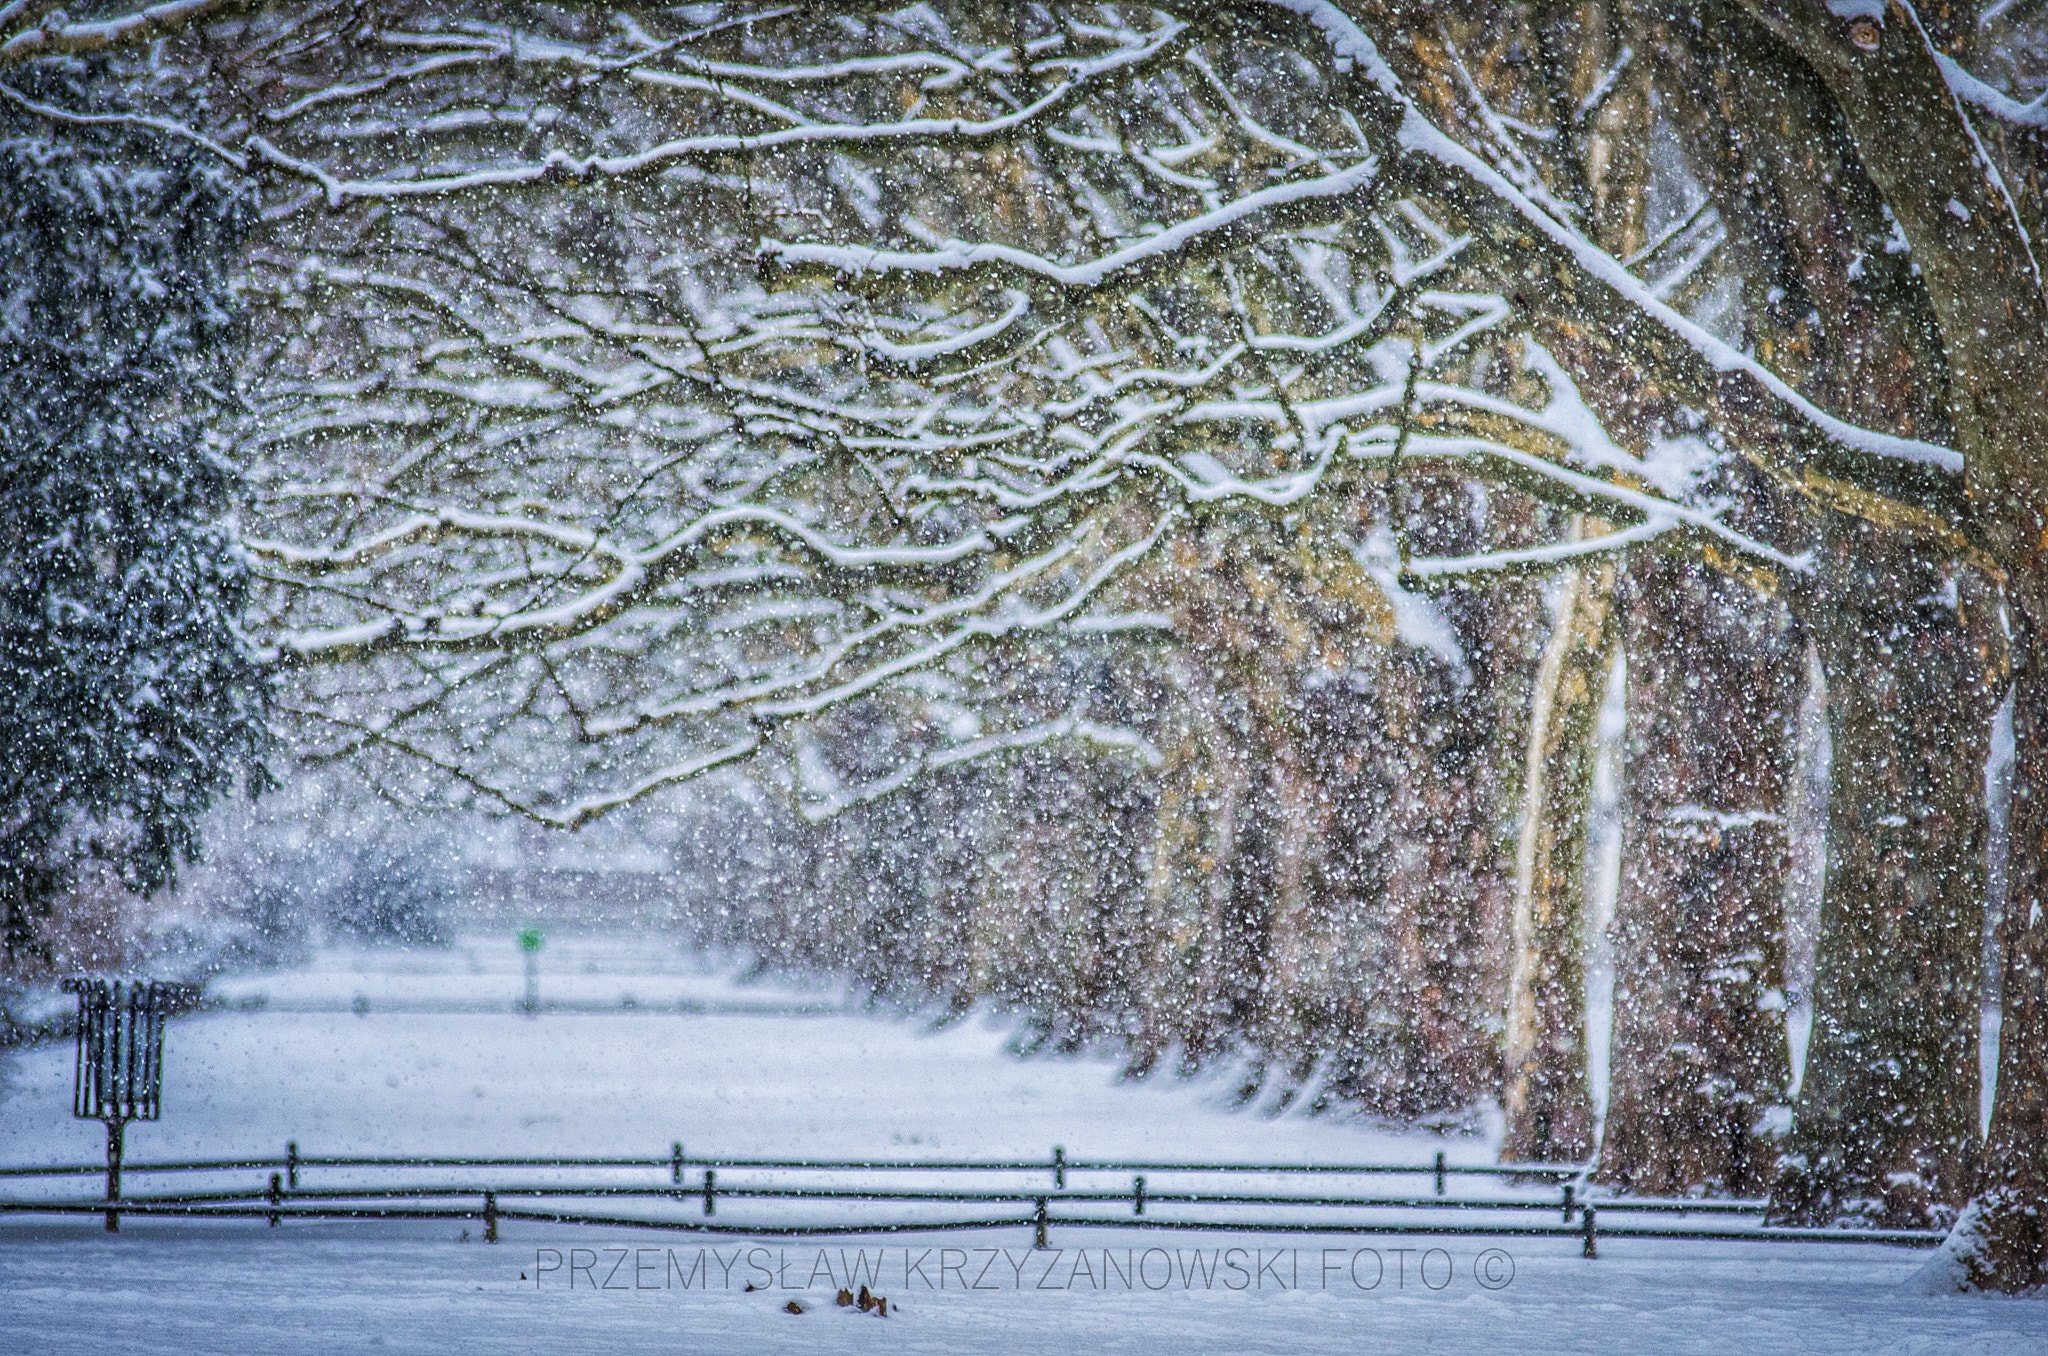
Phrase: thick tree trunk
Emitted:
{"points": [[1885, 1126], [1700, 1067], [2001, 1242], [1547, 1097], [1886, 1122], [1445, 907], [1982, 275]]}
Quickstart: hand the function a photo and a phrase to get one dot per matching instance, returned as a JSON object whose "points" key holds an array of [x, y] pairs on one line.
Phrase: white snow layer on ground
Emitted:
{"points": [[439, 1063]]}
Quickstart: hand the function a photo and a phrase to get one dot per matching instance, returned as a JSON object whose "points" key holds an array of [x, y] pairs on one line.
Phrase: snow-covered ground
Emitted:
{"points": [[637, 1047]]}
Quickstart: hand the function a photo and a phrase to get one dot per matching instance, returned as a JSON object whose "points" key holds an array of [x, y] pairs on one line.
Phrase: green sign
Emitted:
{"points": [[529, 939]]}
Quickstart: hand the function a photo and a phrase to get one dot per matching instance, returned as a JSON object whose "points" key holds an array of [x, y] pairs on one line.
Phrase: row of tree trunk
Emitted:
{"points": [[1358, 874], [1780, 134]]}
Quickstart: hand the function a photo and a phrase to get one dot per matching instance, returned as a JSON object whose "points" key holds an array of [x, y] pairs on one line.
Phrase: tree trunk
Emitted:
{"points": [[2001, 1241], [1444, 906], [1198, 957], [1982, 276], [1445, 746], [1548, 1098], [1885, 1129], [1700, 1067], [1885, 1126]]}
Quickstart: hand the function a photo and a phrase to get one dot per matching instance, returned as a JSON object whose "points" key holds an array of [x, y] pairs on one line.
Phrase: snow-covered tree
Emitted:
{"points": [[1338, 382], [131, 697]]}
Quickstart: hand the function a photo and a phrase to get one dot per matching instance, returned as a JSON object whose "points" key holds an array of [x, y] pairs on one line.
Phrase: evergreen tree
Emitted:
{"points": [[129, 697]]}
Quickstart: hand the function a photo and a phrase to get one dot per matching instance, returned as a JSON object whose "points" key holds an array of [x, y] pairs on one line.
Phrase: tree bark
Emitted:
{"points": [[1438, 1001], [2001, 1241], [1446, 749], [1886, 1124], [1700, 1066], [1884, 1128], [1983, 280], [1548, 1098]]}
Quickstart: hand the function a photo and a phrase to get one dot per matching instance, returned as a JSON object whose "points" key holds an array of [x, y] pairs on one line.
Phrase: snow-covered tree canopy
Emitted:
{"points": [[667, 379]]}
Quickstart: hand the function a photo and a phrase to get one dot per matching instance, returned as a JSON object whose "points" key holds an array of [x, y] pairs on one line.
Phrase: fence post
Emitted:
{"points": [[275, 1196], [490, 1217], [1038, 1225], [675, 1163], [1439, 1172], [710, 1188], [1138, 1194], [291, 1164], [1059, 1168], [1586, 1217], [115, 1131], [1568, 1202]]}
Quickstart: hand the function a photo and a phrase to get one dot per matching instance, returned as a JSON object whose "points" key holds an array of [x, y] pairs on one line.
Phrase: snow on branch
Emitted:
{"points": [[786, 376], [165, 126], [53, 33], [636, 572], [1537, 557], [1419, 136], [1168, 248], [798, 132], [831, 800], [2032, 113]]}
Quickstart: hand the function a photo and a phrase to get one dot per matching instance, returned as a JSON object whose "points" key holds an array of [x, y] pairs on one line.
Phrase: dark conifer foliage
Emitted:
{"points": [[129, 698]]}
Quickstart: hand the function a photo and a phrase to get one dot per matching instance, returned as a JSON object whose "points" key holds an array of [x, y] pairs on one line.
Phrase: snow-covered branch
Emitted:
{"points": [[45, 30], [1977, 93], [827, 802], [892, 350], [1417, 135]]}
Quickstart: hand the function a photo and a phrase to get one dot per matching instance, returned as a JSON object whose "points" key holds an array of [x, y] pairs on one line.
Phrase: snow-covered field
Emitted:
{"points": [[366, 1052]]}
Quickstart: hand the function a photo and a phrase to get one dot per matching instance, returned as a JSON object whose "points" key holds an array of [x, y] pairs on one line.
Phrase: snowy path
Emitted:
{"points": [[427, 1068]]}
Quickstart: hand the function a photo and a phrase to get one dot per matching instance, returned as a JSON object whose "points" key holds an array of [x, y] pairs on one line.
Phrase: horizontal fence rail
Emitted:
{"points": [[1056, 1164], [689, 1198]]}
